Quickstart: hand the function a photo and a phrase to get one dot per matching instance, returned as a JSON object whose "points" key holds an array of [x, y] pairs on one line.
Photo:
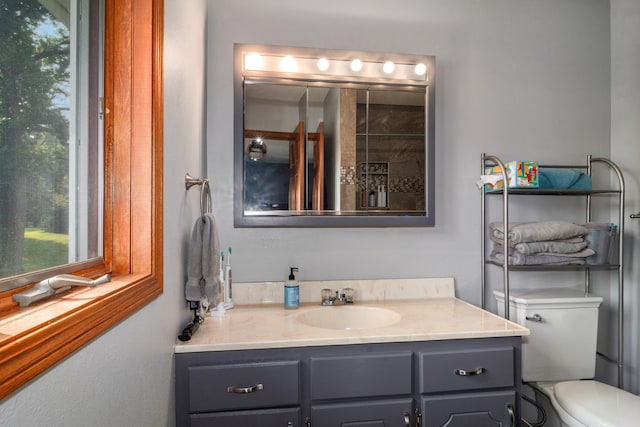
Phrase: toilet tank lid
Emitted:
{"points": [[550, 298], [597, 404]]}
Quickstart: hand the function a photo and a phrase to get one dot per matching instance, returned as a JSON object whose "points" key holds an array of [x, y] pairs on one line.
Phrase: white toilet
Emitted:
{"points": [[559, 357]]}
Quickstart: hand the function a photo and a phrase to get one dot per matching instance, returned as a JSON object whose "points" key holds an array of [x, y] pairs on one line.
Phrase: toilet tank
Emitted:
{"points": [[562, 344]]}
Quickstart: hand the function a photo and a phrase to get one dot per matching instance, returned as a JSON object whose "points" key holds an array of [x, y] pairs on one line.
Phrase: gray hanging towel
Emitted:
{"points": [[211, 260], [193, 291], [203, 264]]}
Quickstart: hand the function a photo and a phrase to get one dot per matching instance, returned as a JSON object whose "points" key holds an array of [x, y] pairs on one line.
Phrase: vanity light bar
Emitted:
{"points": [[339, 68]]}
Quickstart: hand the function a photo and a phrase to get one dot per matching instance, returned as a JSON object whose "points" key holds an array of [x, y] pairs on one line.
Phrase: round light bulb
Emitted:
{"points": [[323, 64], [253, 61], [356, 65], [388, 67], [288, 64], [421, 69]]}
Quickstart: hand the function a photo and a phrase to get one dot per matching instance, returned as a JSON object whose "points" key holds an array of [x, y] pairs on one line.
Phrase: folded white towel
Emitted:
{"points": [[566, 246], [518, 258], [523, 232]]}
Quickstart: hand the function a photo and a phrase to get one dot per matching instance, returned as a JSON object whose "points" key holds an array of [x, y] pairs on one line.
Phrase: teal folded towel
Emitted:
{"points": [[563, 178]]}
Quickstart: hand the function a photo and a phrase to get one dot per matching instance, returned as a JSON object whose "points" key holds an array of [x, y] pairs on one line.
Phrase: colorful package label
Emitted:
{"points": [[520, 174]]}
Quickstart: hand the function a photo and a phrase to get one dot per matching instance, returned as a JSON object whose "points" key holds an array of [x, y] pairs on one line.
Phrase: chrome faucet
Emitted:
{"points": [[344, 296]]}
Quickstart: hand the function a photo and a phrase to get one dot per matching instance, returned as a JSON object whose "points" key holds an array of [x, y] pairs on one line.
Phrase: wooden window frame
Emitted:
{"points": [[133, 105]]}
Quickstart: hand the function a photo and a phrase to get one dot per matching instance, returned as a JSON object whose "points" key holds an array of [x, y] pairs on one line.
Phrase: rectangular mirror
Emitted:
{"points": [[321, 141]]}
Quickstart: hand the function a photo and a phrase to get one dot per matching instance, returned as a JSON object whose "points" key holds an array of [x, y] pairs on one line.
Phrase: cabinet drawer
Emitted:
{"points": [[289, 417], [387, 412], [361, 376], [466, 370], [266, 385]]}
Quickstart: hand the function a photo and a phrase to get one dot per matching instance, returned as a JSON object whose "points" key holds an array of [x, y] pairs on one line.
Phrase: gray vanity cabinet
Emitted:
{"points": [[214, 391], [488, 409], [464, 383], [456, 387], [375, 413], [364, 390], [249, 418]]}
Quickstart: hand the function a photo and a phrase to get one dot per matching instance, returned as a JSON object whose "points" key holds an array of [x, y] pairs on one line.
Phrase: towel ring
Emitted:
{"points": [[205, 192], [205, 197]]}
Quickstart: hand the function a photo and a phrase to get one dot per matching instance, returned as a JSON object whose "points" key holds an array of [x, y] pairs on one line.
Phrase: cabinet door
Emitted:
{"points": [[256, 418], [495, 409], [376, 413]]}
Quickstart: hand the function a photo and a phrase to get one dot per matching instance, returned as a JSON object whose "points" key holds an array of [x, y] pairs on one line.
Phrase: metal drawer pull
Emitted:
{"points": [[407, 420], [512, 415], [465, 373], [535, 318], [245, 390]]}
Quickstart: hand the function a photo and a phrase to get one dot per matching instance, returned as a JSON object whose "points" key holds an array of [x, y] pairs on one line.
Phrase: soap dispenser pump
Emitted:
{"points": [[291, 291]]}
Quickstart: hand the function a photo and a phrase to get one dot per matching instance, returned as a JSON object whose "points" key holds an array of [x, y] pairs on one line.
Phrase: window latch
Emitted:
{"points": [[55, 285]]}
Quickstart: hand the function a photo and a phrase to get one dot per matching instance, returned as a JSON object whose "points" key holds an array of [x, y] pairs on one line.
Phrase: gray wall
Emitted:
{"points": [[625, 148], [124, 378], [521, 79], [516, 78]]}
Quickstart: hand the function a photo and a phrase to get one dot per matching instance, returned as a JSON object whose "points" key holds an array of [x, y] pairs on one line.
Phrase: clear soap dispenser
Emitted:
{"points": [[291, 291]]}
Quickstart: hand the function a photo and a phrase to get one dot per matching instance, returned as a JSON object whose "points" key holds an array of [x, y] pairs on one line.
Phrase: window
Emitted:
{"points": [[50, 137], [32, 339]]}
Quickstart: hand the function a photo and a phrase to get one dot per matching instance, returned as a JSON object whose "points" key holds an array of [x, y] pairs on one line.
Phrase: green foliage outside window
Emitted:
{"points": [[34, 128]]}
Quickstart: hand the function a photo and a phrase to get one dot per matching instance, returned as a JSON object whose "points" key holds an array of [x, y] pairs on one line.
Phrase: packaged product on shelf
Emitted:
{"points": [[520, 174]]}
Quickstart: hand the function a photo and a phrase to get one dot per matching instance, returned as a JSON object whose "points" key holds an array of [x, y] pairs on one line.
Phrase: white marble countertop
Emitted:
{"points": [[435, 315]]}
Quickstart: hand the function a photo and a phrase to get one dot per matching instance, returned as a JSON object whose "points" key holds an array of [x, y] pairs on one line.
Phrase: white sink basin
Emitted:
{"points": [[349, 317]]}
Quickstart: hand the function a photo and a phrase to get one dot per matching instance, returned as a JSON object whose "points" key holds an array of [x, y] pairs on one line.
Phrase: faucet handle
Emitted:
{"points": [[347, 295], [327, 296], [343, 296]]}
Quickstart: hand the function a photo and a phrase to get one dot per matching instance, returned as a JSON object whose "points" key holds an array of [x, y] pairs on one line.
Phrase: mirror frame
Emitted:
{"points": [[333, 219]]}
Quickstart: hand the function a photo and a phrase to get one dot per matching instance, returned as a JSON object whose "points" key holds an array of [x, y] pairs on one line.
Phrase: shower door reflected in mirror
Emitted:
{"points": [[316, 153], [390, 150]]}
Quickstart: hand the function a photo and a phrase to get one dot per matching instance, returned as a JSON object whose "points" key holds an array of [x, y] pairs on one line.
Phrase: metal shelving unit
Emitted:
{"points": [[508, 193]]}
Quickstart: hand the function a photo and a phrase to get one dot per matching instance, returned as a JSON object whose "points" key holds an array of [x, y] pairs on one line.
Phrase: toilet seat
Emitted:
{"points": [[596, 404], [547, 388]]}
